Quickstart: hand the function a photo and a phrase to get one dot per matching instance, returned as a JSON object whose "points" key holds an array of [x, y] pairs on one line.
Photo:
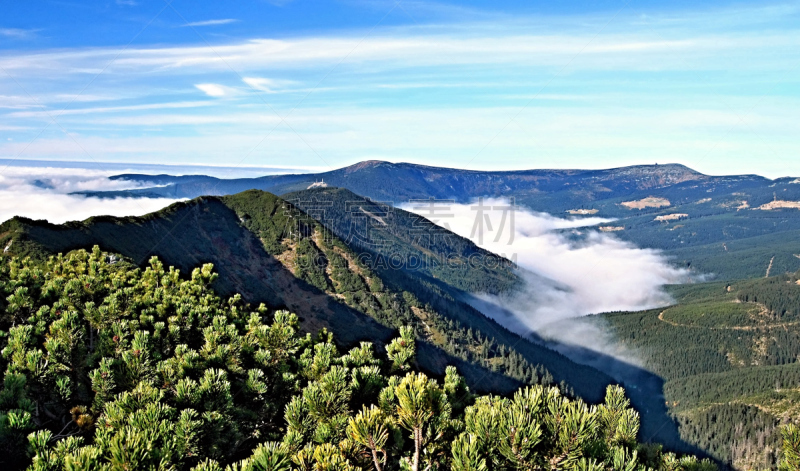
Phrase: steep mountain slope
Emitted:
{"points": [[381, 232], [272, 252], [445, 315], [407, 241], [396, 297], [730, 226]]}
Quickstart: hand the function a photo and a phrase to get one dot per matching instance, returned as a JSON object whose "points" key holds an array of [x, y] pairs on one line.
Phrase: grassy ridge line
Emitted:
{"points": [[186, 234], [206, 230]]}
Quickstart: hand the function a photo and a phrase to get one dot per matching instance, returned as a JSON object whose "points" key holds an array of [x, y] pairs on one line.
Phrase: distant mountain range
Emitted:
{"points": [[728, 226], [400, 182]]}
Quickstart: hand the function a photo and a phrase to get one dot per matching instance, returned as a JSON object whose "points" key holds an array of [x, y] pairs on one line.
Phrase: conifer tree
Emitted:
{"points": [[791, 448], [423, 410], [402, 350], [369, 430]]}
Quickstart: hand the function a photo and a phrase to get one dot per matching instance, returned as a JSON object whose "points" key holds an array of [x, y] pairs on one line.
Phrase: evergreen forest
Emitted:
{"points": [[728, 353]]}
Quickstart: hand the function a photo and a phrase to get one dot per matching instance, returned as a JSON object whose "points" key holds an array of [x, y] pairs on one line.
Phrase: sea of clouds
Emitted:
{"points": [[43, 193], [570, 270]]}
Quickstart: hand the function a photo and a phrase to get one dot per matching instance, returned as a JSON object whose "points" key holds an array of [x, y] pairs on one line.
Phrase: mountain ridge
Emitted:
{"points": [[413, 240], [670, 207], [645, 176], [220, 231]]}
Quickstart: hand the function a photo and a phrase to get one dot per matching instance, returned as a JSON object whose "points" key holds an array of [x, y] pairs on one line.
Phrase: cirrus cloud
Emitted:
{"points": [[223, 21]]}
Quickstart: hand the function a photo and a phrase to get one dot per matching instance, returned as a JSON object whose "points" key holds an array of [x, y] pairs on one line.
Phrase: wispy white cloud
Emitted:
{"points": [[416, 51], [265, 84], [569, 274], [108, 109], [638, 50], [213, 89], [241, 119], [16, 102], [223, 21], [18, 33]]}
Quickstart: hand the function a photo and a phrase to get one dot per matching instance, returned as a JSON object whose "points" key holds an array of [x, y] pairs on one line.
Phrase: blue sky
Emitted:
{"points": [[485, 85]]}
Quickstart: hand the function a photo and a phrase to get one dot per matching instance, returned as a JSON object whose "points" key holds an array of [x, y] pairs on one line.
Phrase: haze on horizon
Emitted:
{"points": [[479, 85]]}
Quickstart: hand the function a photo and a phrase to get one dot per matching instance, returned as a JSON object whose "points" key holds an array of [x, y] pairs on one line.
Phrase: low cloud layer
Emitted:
{"points": [[571, 271], [42, 193]]}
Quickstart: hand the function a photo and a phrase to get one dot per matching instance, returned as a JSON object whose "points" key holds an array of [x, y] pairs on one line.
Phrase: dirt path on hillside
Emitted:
{"points": [[783, 325]]}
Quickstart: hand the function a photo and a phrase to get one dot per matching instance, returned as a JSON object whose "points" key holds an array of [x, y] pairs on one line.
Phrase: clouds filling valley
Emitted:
{"points": [[570, 269], [43, 193]]}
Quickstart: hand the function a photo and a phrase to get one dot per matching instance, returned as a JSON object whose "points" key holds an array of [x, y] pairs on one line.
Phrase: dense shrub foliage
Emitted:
{"points": [[111, 367]]}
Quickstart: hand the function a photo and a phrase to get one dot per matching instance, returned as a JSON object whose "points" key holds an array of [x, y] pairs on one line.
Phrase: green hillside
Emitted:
{"points": [[728, 353], [729, 245], [398, 297], [407, 240], [323, 260], [271, 252]]}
